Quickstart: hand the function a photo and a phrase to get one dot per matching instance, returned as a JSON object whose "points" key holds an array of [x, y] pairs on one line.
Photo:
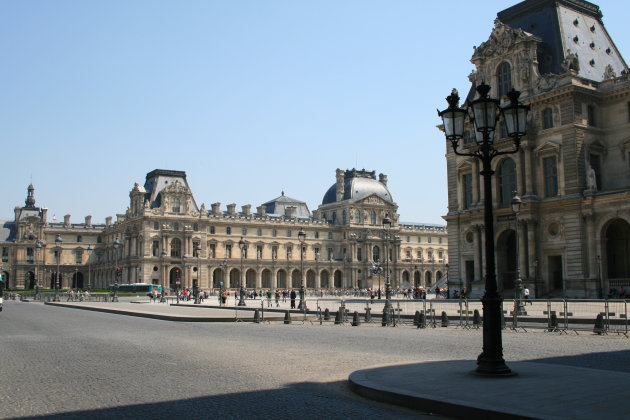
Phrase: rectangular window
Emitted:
{"points": [[155, 248], [590, 112], [56, 255], [419, 254], [359, 254], [79, 256], [550, 170], [440, 255], [175, 226], [429, 239], [289, 233], [274, 233], [228, 251], [30, 255], [244, 231], [211, 230], [330, 235], [228, 230], [547, 117], [79, 238], [440, 240], [467, 187], [419, 239], [259, 232], [316, 235], [211, 250], [408, 255]]}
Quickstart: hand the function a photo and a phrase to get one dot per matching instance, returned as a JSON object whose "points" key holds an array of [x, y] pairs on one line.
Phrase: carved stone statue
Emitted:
{"points": [[571, 62], [591, 179]]}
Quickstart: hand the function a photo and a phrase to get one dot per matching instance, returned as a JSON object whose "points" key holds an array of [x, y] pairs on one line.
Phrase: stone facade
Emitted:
{"points": [[167, 238], [572, 234]]}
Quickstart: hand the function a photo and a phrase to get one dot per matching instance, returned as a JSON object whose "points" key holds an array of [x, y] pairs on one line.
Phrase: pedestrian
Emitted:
{"points": [[526, 295], [268, 294], [224, 296], [277, 296], [293, 296]]}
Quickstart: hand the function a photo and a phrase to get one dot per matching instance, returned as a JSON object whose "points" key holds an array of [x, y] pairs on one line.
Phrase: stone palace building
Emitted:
{"points": [[572, 234], [166, 238]]}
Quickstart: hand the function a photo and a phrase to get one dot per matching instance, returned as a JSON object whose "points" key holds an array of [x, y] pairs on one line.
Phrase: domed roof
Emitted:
{"points": [[358, 185]]}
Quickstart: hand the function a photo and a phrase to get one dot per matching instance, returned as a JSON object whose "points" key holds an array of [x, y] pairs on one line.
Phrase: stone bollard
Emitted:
{"points": [[599, 324], [368, 315], [444, 319], [257, 316], [476, 318], [338, 316], [326, 315], [287, 317], [553, 322], [355, 319]]}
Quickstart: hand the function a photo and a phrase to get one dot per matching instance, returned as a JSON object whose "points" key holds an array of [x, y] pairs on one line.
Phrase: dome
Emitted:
{"points": [[358, 185]]}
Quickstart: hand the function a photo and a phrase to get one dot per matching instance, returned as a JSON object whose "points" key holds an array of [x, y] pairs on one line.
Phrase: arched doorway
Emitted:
{"points": [[235, 278], [175, 278], [324, 279], [405, 279], [266, 278], [428, 278], [618, 251], [416, 279], [506, 260], [338, 279], [250, 279], [281, 278], [77, 280], [296, 280], [310, 279], [218, 278]]}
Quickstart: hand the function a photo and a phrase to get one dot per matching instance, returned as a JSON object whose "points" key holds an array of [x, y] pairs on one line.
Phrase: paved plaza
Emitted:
{"points": [[70, 363]]}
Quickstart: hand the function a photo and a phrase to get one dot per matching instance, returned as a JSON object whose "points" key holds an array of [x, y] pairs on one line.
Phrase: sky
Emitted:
{"points": [[250, 98]]}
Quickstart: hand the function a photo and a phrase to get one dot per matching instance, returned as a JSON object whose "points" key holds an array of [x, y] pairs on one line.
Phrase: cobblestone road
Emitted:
{"points": [[68, 363]]}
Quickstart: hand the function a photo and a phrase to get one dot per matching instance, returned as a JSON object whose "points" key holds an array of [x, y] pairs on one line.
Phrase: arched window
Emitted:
{"points": [[357, 217], [507, 182], [376, 253], [504, 78]]}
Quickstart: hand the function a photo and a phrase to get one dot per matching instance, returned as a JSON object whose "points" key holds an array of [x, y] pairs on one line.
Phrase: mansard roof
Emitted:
{"points": [[278, 206]]}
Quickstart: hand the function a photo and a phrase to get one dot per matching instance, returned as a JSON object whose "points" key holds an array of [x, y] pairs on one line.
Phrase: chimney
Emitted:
{"points": [[45, 215], [262, 211], [108, 221], [88, 221], [247, 209], [231, 209], [216, 208], [66, 220], [382, 178], [340, 184]]}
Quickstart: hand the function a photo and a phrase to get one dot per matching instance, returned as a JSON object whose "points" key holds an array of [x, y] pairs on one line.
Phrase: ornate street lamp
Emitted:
{"points": [[38, 245], [243, 247], [377, 270], [224, 264], [58, 242], [483, 113], [302, 238], [89, 253], [197, 248], [387, 225], [117, 271], [518, 286]]}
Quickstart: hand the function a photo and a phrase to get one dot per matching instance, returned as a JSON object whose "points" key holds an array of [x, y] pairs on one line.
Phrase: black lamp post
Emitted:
{"points": [[241, 299], [224, 264], [58, 242], [387, 225], [483, 113], [38, 245], [377, 270], [197, 249], [89, 250], [518, 286], [302, 238], [117, 271]]}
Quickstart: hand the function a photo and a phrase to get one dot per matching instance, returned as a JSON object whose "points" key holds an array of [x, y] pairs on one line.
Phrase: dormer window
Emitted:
{"points": [[504, 78], [176, 205]]}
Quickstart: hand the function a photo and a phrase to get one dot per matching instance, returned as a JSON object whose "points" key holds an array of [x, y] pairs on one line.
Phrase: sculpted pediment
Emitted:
{"points": [[176, 188], [375, 200], [502, 40]]}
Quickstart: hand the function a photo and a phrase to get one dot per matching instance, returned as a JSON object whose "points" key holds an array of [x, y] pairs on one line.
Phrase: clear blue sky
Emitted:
{"points": [[250, 98]]}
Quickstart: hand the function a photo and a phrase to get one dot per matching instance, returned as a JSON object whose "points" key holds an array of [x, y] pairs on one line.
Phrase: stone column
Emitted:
{"points": [[531, 248], [529, 175], [522, 249], [591, 240]]}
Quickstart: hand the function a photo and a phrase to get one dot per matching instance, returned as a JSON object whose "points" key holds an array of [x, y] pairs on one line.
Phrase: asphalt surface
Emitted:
{"points": [[69, 363]]}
